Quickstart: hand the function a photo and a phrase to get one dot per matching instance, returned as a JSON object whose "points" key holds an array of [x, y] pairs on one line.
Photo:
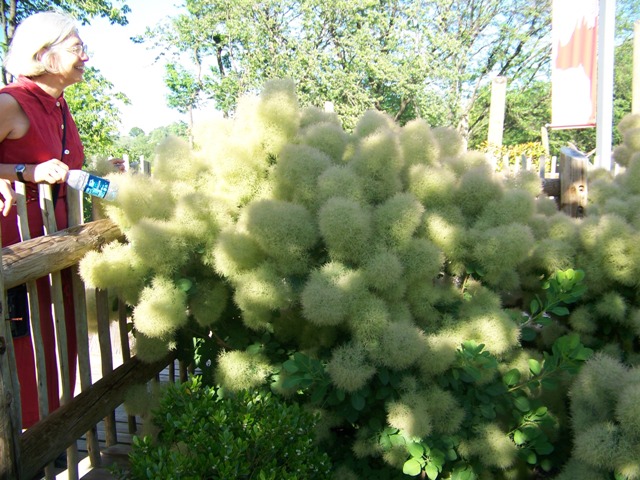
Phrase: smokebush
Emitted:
{"points": [[369, 274]]}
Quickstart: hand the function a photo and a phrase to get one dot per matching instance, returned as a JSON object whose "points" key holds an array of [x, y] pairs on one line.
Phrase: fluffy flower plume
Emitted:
{"points": [[411, 415], [297, 172], [162, 309], [285, 231], [238, 370], [346, 228], [349, 367]]}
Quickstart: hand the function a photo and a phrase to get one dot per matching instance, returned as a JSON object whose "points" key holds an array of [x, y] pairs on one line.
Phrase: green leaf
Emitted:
{"points": [[438, 458], [318, 394], [416, 450], [532, 458], [357, 401], [534, 306], [451, 455], [412, 467], [512, 377], [495, 389], [488, 411], [397, 440], [184, 284], [530, 433], [543, 448], [462, 473], [470, 374], [563, 275], [432, 471], [541, 411], [535, 366], [560, 311], [290, 366], [583, 354], [528, 334], [519, 438], [292, 382], [385, 441], [522, 404]]}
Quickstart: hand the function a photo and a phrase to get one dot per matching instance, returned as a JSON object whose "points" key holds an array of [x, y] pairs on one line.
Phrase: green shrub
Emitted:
{"points": [[386, 277], [247, 435]]}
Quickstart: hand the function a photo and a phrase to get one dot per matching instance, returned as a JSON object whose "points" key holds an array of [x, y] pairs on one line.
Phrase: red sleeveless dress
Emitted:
{"points": [[42, 142]]}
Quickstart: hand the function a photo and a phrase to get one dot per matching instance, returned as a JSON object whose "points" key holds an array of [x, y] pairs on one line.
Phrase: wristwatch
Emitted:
{"points": [[20, 168]]}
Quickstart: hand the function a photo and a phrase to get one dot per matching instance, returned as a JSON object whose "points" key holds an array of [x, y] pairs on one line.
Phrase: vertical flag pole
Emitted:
{"points": [[604, 115]]}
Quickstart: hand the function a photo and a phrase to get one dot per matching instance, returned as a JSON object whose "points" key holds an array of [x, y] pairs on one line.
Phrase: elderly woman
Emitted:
{"points": [[39, 143]]}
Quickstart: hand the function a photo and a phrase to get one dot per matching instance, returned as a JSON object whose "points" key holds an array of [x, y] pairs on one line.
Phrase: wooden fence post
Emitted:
{"points": [[573, 182], [8, 418], [496, 111]]}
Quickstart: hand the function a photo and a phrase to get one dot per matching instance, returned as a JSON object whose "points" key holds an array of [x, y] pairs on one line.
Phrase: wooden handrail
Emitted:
{"points": [[39, 256], [41, 443]]}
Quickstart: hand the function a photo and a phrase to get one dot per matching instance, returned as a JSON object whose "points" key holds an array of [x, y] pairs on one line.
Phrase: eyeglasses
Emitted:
{"points": [[79, 49]]}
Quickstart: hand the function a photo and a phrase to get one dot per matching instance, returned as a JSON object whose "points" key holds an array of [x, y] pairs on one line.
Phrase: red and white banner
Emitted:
{"points": [[574, 63]]}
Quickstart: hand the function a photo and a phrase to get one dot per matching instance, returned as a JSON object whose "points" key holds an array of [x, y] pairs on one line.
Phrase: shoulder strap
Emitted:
{"points": [[55, 190]]}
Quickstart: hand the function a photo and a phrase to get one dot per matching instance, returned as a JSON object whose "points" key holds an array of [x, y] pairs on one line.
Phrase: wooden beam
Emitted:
{"points": [[43, 442], [38, 257]]}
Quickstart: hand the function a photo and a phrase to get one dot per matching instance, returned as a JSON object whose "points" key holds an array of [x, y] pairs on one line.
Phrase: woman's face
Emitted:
{"points": [[71, 57]]}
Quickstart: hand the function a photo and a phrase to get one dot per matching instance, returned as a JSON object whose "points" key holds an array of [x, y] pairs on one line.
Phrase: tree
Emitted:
{"points": [[13, 11], [95, 112], [138, 144], [409, 59]]}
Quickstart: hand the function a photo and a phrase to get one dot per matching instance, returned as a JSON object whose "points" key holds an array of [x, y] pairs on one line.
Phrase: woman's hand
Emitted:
{"points": [[9, 196], [52, 171]]}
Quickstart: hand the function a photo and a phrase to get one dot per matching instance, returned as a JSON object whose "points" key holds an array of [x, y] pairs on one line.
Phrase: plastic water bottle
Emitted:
{"points": [[92, 184]]}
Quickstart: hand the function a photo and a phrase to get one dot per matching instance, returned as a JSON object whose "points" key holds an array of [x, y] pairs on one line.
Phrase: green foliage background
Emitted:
{"points": [[432, 311]]}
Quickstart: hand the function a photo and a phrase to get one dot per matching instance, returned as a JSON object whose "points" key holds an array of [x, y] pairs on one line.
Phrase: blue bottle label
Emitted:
{"points": [[97, 186]]}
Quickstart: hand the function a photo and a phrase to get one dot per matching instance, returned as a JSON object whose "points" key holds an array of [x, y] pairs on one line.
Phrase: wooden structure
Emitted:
{"points": [[25, 453], [570, 188]]}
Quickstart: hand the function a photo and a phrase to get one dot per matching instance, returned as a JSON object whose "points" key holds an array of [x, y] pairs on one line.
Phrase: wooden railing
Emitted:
{"points": [[23, 453]]}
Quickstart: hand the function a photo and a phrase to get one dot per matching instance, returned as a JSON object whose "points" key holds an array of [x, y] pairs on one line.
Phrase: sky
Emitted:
{"points": [[130, 67]]}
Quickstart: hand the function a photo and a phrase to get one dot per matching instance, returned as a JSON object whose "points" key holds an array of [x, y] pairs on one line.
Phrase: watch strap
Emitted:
{"points": [[20, 168]]}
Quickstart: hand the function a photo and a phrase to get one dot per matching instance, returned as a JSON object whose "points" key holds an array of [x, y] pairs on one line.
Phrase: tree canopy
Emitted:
{"points": [[409, 59], [95, 112], [433, 60], [140, 144]]}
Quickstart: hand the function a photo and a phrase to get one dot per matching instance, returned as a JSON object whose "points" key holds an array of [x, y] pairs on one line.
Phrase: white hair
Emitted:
{"points": [[30, 52]]}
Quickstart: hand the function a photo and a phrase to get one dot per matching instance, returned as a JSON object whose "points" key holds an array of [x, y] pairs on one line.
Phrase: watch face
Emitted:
{"points": [[19, 171]]}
